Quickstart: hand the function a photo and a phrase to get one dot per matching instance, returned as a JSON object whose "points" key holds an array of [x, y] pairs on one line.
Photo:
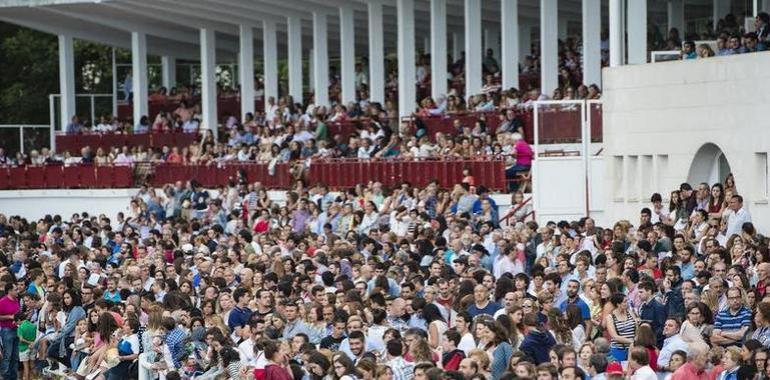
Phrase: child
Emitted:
{"points": [[128, 348], [27, 333], [80, 347], [112, 293]]}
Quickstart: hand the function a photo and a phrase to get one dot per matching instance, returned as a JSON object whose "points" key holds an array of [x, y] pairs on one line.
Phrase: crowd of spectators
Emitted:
{"points": [[729, 37], [377, 283]]}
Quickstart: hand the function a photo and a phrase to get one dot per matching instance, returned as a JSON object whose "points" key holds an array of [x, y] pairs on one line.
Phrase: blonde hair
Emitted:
{"points": [[480, 357]]}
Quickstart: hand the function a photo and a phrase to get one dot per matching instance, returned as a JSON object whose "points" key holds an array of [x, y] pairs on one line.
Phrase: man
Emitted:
{"points": [[651, 310], [639, 364], [402, 370], [572, 373], [509, 303], [573, 298], [240, 314], [597, 366], [671, 344], [567, 356], [672, 290], [737, 217], [536, 343], [482, 304], [356, 325], [294, 325], [175, 340], [246, 347], [731, 325], [469, 367], [9, 306], [357, 343], [332, 341], [694, 369], [396, 312], [463, 322], [763, 275]]}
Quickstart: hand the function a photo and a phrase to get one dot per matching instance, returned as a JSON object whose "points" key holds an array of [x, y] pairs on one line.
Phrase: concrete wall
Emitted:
{"points": [[657, 117]]}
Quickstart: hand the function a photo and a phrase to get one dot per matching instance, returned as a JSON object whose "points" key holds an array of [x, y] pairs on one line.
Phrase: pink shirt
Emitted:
{"points": [[523, 153], [688, 372], [8, 307]]}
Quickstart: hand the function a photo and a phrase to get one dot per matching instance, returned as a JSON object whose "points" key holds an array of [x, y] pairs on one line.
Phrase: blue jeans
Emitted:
{"points": [[9, 366], [620, 354]]}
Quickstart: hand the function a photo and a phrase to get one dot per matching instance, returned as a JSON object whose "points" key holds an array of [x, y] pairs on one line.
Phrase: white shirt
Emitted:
{"points": [[466, 343], [644, 373], [670, 345], [246, 351], [735, 221]]}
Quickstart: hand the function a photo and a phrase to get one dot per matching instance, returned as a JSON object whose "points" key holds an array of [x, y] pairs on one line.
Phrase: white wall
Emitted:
{"points": [[657, 116]]}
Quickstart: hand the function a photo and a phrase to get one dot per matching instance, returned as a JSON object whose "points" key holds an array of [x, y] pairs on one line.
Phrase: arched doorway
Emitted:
{"points": [[708, 165]]}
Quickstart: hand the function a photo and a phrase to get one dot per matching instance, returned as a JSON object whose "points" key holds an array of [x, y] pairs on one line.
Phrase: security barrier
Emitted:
{"points": [[74, 143]]}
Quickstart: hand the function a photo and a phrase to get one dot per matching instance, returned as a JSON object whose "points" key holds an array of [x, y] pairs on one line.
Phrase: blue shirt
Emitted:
{"points": [[238, 317], [490, 309], [585, 312], [727, 321]]}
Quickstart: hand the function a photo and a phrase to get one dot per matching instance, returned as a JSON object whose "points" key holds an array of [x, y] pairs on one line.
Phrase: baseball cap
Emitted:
{"points": [[614, 368]]}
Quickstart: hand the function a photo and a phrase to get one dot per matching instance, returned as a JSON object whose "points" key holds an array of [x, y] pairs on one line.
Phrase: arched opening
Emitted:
{"points": [[708, 165]]}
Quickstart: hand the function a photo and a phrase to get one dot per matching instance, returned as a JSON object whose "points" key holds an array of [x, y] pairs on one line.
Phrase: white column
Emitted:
{"points": [[311, 69], [676, 16], [473, 48], [426, 45], [458, 45], [637, 32], [139, 69], [492, 41], [168, 68], [294, 25], [510, 43], [406, 69], [347, 54], [616, 33], [563, 28], [209, 80], [320, 59], [720, 9], [438, 48], [592, 39], [525, 41], [66, 79], [376, 53], [246, 68], [549, 47], [270, 54]]}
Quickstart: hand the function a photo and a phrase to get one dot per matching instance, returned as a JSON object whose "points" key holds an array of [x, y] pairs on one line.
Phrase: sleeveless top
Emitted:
{"points": [[626, 329]]}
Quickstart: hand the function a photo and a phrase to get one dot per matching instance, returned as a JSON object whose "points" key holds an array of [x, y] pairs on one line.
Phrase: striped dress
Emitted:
{"points": [[625, 328]]}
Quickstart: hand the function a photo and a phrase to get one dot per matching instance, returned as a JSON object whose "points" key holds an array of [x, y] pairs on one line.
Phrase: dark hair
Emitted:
{"points": [[431, 313], [453, 336], [394, 347]]}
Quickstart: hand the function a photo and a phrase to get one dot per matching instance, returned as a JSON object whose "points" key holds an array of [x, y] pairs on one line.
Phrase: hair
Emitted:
{"points": [[645, 337], [640, 355]]}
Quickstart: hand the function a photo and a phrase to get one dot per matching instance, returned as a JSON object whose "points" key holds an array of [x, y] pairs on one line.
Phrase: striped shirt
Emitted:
{"points": [[727, 321], [625, 328]]}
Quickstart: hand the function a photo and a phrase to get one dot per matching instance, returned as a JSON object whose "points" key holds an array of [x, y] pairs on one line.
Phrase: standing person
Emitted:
{"points": [[621, 326], [9, 306], [537, 343], [27, 332], [639, 365]]}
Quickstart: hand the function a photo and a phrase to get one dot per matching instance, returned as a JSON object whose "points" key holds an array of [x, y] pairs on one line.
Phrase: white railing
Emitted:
{"points": [[665, 55], [54, 99], [22, 127]]}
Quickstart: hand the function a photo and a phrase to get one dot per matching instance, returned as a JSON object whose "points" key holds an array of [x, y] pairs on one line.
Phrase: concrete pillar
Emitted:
{"points": [[720, 9], [676, 16], [246, 68], [347, 54], [139, 68], [270, 54], [473, 47], [637, 32], [376, 53], [509, 63], [406, 69], [310, 69], [525, 41], [168, 68], [320, 59], [492, 41], [295, 57], [438, 48], [458, 45], [616, 32], [592, 55], [209, 80], [66, 79], [549, 47]]}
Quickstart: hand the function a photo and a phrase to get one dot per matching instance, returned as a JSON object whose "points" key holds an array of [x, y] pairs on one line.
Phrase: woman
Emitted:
{"points": [[762, 320], [584, 356], [343, 368], [699, 320], [575, 323], [277, 361], [731, 362], [621, 326], [498, 347], [59, 345], [645, 337], [716, 205], [436, 325]]}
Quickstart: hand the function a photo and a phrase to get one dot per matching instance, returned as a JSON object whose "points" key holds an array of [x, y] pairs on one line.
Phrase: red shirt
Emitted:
{"points": [[10, 307]]}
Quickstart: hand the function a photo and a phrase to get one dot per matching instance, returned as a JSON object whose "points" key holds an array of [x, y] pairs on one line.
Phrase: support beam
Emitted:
{"points": [[406, 69], [376, 53], [549, 47], [637, 32], [616, 33], [139, 72], [473, 47], [347, 55], [66, 79], [438, 48], [510, 43], [675, 16], [168, 67], [320, 59], [209, 81], [294, 26], [592, 58], [246, 68], [270, 64]]}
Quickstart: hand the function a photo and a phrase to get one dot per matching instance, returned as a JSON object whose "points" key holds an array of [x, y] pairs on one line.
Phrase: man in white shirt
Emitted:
{"points": [[738, 216], [639, 364], [246, 348], [671, 344]]}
